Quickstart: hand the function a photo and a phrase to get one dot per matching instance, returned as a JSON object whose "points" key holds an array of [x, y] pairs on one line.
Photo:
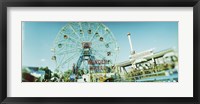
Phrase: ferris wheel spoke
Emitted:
{"points": [[104, 51], [67, 52], [70, 58], [101, 56], [69, 39], [94, 33], [88, 28], [96, 42], [62, 60], [60, 49], [90, 31], [72, 47], [100, 44], [64, 41], [62, 29], [66, 45], [72, 43], [110, 32], [75, 32], [99, 39], [75, 40], [82, 30], [77, 46], [105, 34], [58, 35], [59, 41]]}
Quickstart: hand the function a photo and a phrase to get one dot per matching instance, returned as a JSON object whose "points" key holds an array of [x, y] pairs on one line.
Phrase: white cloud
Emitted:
{"points": [[42, 60]]}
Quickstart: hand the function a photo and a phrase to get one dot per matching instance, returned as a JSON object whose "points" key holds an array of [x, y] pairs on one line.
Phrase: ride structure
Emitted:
{"points": [[77, 43]]}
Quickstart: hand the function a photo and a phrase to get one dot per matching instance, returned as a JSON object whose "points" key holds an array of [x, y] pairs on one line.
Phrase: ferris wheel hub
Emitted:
{"points": [[86, 45]]}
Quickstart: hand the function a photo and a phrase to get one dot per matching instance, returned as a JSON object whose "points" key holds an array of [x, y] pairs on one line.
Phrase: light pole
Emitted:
{"points": [[130, 42]]}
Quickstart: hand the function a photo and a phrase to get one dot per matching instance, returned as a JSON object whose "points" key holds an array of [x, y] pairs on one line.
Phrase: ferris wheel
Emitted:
{"points": [[78, 42]]}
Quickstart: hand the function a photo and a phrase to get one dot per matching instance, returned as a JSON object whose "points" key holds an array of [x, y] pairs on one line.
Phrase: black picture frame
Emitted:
{"points": [[98, 3]]}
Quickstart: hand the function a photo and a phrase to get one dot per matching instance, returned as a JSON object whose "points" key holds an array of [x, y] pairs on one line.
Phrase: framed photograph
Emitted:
{"points": [[73, 51]]}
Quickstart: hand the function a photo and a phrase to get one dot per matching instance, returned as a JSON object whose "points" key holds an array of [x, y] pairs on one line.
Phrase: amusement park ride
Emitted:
{"points": [[80, 42], [77, 43]]}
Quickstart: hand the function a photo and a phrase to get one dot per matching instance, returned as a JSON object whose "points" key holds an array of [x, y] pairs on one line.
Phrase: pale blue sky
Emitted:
{"points": [[38, 39]]}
